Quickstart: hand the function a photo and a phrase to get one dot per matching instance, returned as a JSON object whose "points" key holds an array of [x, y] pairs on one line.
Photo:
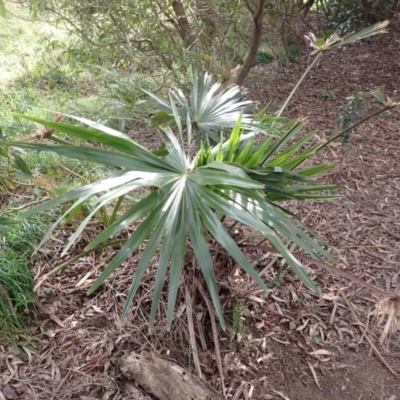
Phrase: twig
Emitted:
{"points": [[63, 381], [314, 374], [7, 299], [77, 257], [359, 324], [249, 7], [239, 391], [192, 337], [26, 205], [281, 394], [392, 234], [215, 334]]}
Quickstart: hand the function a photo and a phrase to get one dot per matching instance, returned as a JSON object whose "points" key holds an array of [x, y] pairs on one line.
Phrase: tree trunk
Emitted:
{"points": [[304, 7], [183, 23], [258, 19], [395, 6]]}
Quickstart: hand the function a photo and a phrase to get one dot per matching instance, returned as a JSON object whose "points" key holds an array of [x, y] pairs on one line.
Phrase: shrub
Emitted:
{"points": [[347, 15]]}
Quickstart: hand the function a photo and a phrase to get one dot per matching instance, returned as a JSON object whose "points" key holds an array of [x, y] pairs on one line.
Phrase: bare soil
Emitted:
{"points": [[286, 343]]}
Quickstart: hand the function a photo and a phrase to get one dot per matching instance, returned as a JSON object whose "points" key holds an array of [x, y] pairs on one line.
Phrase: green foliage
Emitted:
{"points": [[12, 161], [282, 33], [152, 36], [239, 318], [17, 300], [2, 9], [345, 15], [264, 58], [237, 178], [351, 111], [46, 69], [342, 16], [291, 52], [16, 297]]}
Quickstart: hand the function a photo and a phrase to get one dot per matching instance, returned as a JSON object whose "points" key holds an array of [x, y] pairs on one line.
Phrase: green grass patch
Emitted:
{"points": [[20, 42], [17, 300], [44, 69]]}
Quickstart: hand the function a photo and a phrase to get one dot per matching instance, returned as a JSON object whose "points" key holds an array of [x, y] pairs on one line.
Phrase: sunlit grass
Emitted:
{"points": [[20, 42]]}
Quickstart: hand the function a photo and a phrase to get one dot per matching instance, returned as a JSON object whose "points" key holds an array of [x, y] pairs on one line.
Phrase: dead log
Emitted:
{"points": [[164, 379]]}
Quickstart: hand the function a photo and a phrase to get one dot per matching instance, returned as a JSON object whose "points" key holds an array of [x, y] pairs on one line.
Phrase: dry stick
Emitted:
{"points": [[245, 393], [359, 324], [192, 336], [63, 381], [200, 331], [7, 299], [215, 335], [239, 391], [26, 205], [326, 266]]}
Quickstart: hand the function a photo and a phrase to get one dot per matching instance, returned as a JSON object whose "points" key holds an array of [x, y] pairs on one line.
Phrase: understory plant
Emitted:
{"points": [[243, 177], [351, 111]]}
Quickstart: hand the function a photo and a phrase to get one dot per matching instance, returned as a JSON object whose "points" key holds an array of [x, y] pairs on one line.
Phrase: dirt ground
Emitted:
{"points": [[286, 343]]}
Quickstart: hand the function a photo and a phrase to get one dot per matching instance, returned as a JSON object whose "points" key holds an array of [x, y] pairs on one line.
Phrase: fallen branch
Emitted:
{"points": [[164, 379], [215, 334]]}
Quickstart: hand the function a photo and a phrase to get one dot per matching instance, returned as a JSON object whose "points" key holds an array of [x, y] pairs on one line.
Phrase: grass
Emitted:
{"points": [[45, 69], [17, 301], [21, 40], [239, 320]]}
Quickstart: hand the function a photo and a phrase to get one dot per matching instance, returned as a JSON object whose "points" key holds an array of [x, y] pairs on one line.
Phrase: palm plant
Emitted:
{"points": [[211, 109], [228, 179], [241, 178]]}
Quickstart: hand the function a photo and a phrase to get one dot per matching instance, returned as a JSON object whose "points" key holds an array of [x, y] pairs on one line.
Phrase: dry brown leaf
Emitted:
{"points": [[281, 394], [322, 352]]}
